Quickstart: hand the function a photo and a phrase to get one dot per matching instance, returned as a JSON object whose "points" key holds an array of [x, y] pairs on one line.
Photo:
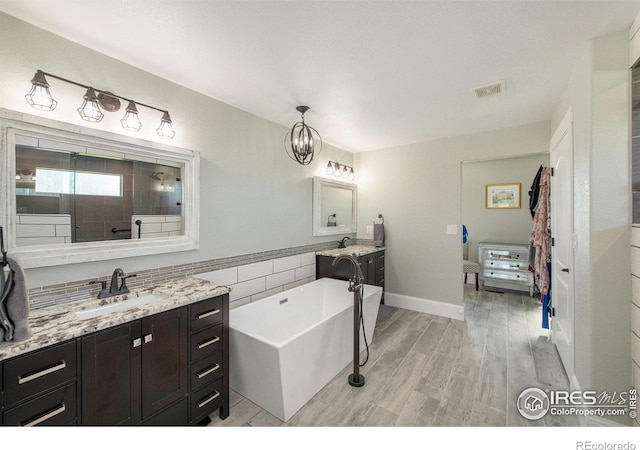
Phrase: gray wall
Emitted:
{"points": [[598, 92], [497, 225], [253, 197], [418, 190]]}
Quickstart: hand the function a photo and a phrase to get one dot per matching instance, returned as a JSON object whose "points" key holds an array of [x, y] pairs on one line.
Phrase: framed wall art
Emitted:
{"points": [[503, 196]]}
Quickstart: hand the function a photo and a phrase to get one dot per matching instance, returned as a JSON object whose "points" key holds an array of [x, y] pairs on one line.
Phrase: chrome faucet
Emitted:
{"points": [[357, 278], [114, 289], [342, 243]]}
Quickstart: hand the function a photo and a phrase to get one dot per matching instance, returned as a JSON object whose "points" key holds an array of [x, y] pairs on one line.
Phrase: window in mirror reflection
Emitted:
{"points": [[66, 197]]}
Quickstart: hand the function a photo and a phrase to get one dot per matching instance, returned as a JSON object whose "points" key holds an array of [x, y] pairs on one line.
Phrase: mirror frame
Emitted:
{"points": [[318, 229], [105, 143]]}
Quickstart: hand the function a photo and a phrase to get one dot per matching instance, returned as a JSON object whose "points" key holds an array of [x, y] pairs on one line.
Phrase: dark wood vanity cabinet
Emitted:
{"points": [[41, 387], [132, 371], [111, 376], [209, 358], [372, 265], [170, 368]]}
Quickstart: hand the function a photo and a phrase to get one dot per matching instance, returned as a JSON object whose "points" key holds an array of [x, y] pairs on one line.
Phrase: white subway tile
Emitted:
{"points": [[280, 278], [247, 288], [223, 276], [266, 294], [47, 219], [35, 230], [305, 272], [171, 226], [307, 258], [287, 263], [240, 302], [297, 283], [63, 230], [255, 270], [635, 236]]}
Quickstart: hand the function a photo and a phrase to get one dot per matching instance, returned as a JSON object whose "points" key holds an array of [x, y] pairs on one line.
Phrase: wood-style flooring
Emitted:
{"points": [[426, 370]]}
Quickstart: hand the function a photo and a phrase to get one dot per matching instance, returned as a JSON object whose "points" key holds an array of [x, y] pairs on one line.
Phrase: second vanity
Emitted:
{"points": [[371, 261], [163, 361]]}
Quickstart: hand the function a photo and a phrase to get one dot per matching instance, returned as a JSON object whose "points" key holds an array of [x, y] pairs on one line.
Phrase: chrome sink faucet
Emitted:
{"points": [[114, 289]]}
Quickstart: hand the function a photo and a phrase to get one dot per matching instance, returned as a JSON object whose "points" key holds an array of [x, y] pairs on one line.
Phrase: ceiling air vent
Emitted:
{"points": [[489, 89]]}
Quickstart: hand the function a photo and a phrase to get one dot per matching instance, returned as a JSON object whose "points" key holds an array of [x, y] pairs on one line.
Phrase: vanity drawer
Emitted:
{"points": [[36, 372], [206, 342], [502, 254], [506, 265], [55, 408], [205, 371], [206, 400], [205, 313], [522, 277]]}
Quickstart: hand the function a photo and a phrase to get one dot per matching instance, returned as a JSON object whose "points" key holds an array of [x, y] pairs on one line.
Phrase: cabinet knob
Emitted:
{"points": [[148, 338], [137, 342]]}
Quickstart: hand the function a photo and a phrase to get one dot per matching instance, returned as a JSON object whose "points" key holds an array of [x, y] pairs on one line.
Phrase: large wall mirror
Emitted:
{"points": [[334, 207], [83, 195]]}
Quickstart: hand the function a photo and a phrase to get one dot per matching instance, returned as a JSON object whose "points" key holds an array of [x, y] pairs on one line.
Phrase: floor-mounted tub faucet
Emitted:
{"points": [[355, 286]]}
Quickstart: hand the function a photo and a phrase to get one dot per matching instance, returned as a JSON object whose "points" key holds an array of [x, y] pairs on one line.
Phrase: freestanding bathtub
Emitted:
{"points": [[285, 348]]}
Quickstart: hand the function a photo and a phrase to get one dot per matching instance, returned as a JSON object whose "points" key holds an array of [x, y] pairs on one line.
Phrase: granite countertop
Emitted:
{"points": [[359, 250], [59, 323]]}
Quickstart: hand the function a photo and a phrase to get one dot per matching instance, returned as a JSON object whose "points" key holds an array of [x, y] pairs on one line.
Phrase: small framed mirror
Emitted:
{"points": [[334, 207], [82, 195]]}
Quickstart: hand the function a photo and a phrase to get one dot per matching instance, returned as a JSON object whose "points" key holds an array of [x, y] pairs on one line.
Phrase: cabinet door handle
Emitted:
{"points": [[148, 338], [206, 372], [565, 270], [209, 342], [46, 416], [137, 342], [210, 399], [41, 373], [208, 313]]}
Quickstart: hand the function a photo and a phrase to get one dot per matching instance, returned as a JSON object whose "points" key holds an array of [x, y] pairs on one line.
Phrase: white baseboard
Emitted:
{"points": [[423, 305]]}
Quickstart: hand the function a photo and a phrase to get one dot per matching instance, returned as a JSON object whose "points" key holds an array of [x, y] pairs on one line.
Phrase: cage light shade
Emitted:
{"points": [[352, 175], [165, 130], [39, 96], [130, 120], [302, 139], [89, 110]]}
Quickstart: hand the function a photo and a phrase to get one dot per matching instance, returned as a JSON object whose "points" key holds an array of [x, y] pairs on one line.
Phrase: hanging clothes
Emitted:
{"points": [[534, 193], [541, 233], [540, 241]]}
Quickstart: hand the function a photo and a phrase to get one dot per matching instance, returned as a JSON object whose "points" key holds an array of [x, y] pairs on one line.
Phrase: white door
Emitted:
{"points": [[562, 256]]}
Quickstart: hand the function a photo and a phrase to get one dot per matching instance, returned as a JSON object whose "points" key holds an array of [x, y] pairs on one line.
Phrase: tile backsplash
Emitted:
{"points": [[251, 276]]}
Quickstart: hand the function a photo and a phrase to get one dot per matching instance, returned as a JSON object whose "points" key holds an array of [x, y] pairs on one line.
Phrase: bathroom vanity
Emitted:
{"points": [[371, 261], [163, 363]]}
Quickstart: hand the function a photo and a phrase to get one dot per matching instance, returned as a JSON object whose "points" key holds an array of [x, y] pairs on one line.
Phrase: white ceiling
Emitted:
{"points": [[375, 73]]}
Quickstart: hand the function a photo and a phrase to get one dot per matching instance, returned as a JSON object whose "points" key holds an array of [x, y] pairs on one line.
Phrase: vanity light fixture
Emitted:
{"points": [[303, 140], [340, 170], [39, 97], [90, 111], [130, 120]]}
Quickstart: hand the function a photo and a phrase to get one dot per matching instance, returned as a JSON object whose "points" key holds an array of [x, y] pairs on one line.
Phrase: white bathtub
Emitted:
{"points": [[285, 348]]}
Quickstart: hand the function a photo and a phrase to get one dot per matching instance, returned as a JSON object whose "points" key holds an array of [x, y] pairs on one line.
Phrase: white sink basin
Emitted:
{"points": [[131, 302]]}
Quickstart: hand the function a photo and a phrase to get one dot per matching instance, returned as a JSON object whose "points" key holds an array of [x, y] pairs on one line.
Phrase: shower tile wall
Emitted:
{"points": [[96, 215]]}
